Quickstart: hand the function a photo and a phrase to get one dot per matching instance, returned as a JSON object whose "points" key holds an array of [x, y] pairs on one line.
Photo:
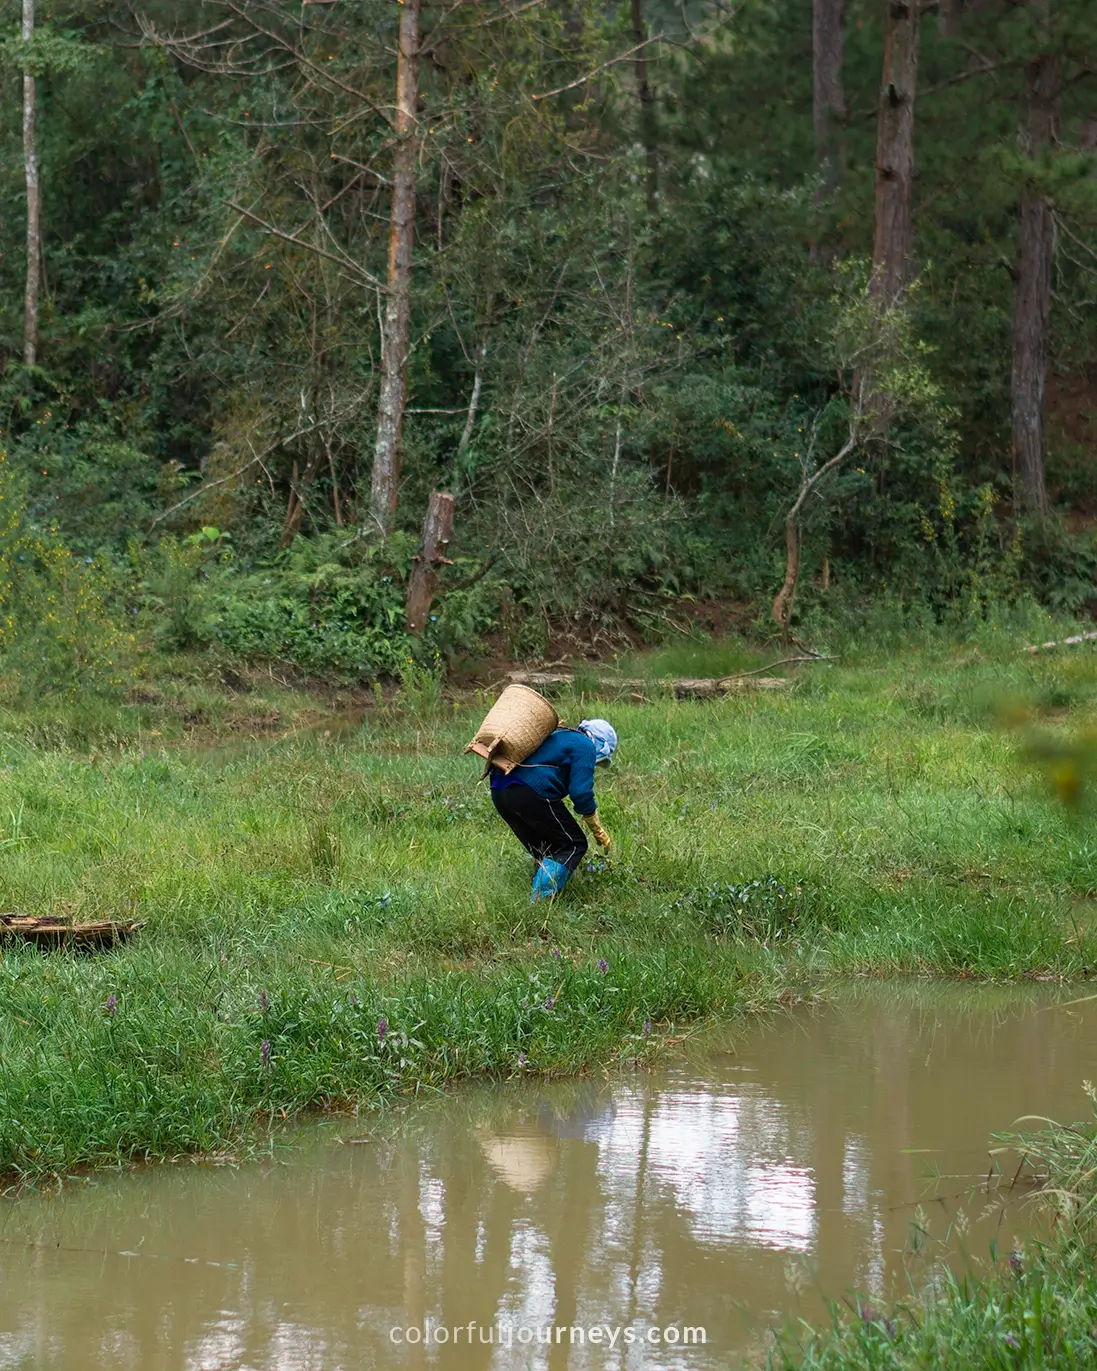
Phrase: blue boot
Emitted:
{"points": [[549, 879]]}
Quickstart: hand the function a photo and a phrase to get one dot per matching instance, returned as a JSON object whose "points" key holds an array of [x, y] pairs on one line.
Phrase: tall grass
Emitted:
{"points": [[300, 885]]}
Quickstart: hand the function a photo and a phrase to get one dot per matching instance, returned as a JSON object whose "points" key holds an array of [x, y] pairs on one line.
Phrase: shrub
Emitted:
{"points": [[329, 609], [56, 631]]}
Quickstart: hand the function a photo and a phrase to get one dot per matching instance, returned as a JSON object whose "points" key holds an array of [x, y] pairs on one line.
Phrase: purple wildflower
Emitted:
{"points": [[382, 1029], [111, 1006], [873, 1316], [1015, 1263], [264, 1052], [550, 1002], [264, 1001], [647, 1028], [1010, 1340], [556, 953], [521, 1059], [603, 965]]}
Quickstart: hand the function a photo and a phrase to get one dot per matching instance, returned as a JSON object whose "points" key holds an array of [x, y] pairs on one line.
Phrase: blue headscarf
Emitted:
{"points": [[603, 735]]}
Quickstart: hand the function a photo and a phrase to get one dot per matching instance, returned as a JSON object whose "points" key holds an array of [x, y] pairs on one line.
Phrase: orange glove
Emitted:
{"points": [[601, 837]]}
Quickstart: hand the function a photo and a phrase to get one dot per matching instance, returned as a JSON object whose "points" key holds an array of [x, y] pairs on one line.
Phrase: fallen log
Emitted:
{"points": [[1063, 642], [49, 931], [706, 688]]}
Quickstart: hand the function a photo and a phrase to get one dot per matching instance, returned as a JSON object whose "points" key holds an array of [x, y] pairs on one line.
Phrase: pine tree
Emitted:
{"points": [[828, 90], [1032, 274], [34, 196], [894, 235]]}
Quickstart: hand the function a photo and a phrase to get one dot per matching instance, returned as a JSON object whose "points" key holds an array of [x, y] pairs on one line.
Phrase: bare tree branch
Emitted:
{"points": [[582, 80], [342, 261], [257, 458]]}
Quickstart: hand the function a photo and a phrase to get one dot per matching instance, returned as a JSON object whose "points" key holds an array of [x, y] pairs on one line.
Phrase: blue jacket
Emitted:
{"points": [[562, 765]]}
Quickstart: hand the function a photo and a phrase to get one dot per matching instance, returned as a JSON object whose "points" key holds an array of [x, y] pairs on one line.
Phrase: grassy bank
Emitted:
{"points": [[331, 913], [1036, 1310]]}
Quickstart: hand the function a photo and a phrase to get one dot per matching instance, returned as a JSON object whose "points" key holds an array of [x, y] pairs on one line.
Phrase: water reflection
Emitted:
{"points": [[730, 1189]]}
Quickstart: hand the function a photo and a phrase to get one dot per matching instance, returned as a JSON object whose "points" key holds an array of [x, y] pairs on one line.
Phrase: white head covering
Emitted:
{"points": [[603, 735]]}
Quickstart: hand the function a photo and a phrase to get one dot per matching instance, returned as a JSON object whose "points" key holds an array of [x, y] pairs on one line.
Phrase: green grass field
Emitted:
{"points": [[298, 887]]}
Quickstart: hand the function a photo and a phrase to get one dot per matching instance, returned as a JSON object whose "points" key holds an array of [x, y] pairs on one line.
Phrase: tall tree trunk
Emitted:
{"points": [[396, 334], [34, 202], [828, 41], [646, 97], [949, 14], [895, 155], [1032, 291]]}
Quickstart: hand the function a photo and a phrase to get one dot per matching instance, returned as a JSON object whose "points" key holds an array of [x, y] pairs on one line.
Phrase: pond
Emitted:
{"points": [[743, 1182]]}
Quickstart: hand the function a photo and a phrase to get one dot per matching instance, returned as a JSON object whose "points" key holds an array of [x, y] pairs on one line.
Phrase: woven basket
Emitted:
{"points": [[517, 724]]}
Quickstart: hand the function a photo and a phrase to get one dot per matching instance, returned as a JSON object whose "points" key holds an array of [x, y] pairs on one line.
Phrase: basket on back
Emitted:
{"points": [[517, 724]]}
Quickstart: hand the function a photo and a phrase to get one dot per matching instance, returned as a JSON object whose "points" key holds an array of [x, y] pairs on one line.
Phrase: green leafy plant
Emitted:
{"points": [[57, 633], [764, 908]]}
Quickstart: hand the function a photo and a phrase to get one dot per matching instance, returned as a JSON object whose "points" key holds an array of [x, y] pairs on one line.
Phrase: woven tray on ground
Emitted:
{"points": [[517, 724]]}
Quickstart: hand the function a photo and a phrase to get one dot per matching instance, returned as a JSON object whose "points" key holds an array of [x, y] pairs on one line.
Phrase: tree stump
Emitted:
{"points": [[423, 584]]}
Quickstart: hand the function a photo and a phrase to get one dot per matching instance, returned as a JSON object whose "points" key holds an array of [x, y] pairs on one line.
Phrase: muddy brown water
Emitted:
{"points": [[740, 1184]]}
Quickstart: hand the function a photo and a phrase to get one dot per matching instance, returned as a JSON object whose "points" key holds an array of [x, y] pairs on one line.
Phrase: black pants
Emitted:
{"points": [[545, 828]]}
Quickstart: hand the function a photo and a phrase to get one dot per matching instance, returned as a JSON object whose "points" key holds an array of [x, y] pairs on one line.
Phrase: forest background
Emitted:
{"points": [[349, 333]]}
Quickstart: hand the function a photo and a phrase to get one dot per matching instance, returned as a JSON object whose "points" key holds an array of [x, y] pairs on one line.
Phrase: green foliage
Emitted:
{"points": [[49, 52], [326, 608], [652, 372], [57, 633], [764, 908], [1061, 566], [99, 487], [175, 590], [330, 606]]}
